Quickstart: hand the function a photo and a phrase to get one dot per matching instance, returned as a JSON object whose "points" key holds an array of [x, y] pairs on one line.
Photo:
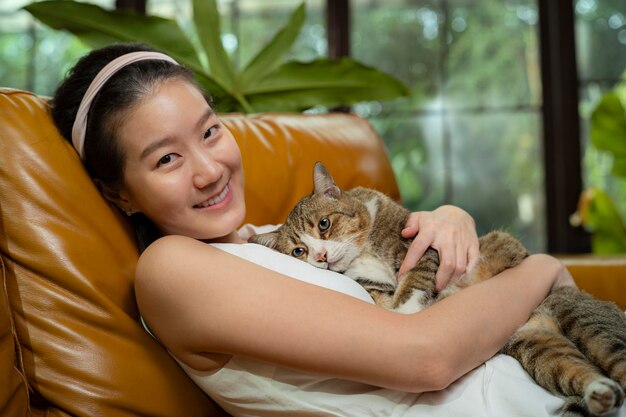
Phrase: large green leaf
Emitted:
{"points": [[269, 58], [604, 244], [207, 21], [295, 86], [124, 26], [98, 27], [608, 125], [599, 214], [268, 84], [603, 219]]}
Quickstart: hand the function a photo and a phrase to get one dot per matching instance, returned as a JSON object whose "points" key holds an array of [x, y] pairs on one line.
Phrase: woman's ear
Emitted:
{"points": [[119, 198]]}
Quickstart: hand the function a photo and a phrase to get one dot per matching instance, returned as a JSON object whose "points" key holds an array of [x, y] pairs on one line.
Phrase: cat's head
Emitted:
{"points": [[327, 228]]}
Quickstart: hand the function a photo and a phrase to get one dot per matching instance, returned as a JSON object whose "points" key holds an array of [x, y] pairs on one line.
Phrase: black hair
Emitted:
{"points": [[104, 158]]}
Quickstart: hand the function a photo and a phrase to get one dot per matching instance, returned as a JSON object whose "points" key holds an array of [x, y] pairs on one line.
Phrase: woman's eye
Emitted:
{"points": [[324, 224], [166, 159], [298, 252], [211, 131]]}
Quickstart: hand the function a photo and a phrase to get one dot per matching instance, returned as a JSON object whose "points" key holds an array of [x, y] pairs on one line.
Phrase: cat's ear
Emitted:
{"points": [[323, 182], [266, 239]]}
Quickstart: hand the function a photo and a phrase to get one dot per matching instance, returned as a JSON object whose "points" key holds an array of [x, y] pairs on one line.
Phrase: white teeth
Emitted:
{"points": [[215, 200]]}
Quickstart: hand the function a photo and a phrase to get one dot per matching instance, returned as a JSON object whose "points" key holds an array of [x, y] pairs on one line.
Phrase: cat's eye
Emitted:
{"points": [[297, 252], [324, 224]]}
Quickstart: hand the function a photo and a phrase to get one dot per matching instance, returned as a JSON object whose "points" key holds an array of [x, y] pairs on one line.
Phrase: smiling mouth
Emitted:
{"points": [[215, 200]]}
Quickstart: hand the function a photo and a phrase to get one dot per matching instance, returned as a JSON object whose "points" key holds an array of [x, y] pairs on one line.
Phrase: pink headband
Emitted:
{"points": [[80, 123]]}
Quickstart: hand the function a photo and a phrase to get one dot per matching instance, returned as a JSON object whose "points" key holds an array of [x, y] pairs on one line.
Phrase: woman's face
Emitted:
{"points": [[183, 167]]}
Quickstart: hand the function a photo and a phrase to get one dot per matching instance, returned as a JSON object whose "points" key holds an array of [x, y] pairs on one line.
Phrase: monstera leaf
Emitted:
{"points": [[266, 83]]}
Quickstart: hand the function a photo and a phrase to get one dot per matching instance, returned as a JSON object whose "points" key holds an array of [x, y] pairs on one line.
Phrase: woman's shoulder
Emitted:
{"points": [[167, 249], [172, 256], [168, 243]]}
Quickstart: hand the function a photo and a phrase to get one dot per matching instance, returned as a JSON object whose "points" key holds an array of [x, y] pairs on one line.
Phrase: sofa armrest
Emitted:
{"points": [[602, 276]]}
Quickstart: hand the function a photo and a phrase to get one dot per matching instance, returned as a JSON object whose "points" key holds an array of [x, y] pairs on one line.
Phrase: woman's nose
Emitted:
{"points": [[206, 170]]}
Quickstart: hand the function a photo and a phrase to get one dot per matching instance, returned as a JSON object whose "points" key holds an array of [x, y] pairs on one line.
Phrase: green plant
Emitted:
{"points": [[597, 212], [266, 83]]}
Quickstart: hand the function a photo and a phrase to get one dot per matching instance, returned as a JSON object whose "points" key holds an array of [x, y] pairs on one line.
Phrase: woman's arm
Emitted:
{"points": [[200, 300]]}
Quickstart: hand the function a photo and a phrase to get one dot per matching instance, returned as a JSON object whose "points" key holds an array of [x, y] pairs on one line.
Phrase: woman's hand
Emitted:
{"points": [[452, 232]]}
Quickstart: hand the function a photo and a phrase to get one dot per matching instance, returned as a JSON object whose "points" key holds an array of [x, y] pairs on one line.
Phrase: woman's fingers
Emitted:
{"points": [[452, 262], [449, 230], [415, 252]]}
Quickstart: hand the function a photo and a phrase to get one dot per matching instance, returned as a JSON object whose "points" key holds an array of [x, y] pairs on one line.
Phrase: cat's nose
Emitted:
{"points": [[320, 256]]}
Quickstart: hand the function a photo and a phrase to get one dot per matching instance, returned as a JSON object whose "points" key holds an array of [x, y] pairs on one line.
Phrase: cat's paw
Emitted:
{"points": [[416, 302], [603, 396]]}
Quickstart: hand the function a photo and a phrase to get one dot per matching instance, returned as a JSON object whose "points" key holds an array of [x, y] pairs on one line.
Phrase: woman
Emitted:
{"points": [[154, 146]]}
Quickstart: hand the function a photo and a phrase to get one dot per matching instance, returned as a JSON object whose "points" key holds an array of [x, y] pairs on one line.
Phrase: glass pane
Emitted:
{"points": [[600, 39], [498, 173], [494, 170], [428, 44], [400, 38], [15, 71], [493, 57], [418, 163], [471, 133], [33, 56]]}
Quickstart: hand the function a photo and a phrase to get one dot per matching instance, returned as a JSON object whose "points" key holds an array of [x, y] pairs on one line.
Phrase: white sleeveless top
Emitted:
{"points": [[248, 387]]}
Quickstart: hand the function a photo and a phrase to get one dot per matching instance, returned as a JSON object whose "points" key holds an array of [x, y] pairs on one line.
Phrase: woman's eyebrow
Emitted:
{"points": [[167, 140], [205, 116], [154, 146]]}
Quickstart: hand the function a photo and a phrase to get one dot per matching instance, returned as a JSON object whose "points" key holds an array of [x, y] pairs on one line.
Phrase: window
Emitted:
{"points": [[471, 133], [486, 82]]}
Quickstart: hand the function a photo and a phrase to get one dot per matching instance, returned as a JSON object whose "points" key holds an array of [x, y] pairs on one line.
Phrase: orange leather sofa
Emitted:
{"points": [[70, 340]]}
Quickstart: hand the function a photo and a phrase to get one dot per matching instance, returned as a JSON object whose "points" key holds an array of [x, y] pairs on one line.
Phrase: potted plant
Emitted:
{"points": [[266, 83], [597, 211]]}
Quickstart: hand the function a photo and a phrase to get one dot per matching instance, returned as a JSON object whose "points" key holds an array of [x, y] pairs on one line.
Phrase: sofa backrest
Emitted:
{"points": [[69, 258]]}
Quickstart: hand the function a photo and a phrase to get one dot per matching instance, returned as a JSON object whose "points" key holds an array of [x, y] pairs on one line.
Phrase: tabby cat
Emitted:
{"points": [[569, 343]]}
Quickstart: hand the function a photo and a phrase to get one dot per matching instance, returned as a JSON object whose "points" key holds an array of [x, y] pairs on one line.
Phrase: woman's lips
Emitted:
{"points": [[215, 200]]}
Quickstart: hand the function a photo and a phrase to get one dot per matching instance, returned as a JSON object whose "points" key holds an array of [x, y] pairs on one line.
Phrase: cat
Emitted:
{"points": [[566, 346]]}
